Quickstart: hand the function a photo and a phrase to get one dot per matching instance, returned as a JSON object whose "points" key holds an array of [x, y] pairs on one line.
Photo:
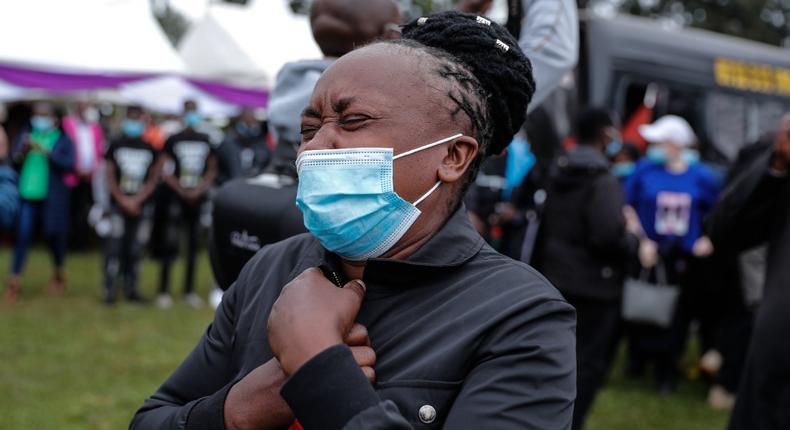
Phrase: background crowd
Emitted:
{"points": [[132, 181]]}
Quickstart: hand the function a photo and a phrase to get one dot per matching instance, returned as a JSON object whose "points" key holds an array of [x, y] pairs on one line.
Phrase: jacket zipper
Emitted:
{"points": [[337, 279]]}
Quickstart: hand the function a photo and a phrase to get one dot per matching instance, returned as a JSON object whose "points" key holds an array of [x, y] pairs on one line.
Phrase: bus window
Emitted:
{"points": [[768, 113], [727, 119]]}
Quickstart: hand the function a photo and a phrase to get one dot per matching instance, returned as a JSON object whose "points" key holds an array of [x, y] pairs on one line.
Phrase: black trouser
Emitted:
{"points": [[597, 328], [188, 219], [122, 251], [665, 346], [81, 201]]}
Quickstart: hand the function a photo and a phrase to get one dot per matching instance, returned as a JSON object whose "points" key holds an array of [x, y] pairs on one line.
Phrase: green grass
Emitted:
{"points": [[67, 362]]}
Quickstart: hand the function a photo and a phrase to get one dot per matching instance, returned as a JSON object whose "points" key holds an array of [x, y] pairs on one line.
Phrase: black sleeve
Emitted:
{"points": [[168, 147], [605, 222], [748, 207], [62, 155], [527, 382], [193, 397]]}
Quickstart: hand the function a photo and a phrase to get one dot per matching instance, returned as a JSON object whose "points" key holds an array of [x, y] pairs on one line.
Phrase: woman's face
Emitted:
{"points": [[673, 151], [385, 96]]}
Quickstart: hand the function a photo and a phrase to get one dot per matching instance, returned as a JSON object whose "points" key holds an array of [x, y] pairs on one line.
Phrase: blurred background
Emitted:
{"points": [[73, 355]]}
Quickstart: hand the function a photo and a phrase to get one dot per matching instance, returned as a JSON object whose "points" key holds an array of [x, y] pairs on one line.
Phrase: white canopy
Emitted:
{"points": [[107, 36], [9, 92], [247, 46], [167, 94]]}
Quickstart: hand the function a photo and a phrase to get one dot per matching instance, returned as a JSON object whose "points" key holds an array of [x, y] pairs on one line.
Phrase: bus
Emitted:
{"points": [[731, 90]]}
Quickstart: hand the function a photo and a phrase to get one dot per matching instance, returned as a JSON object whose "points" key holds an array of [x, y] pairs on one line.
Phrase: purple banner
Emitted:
{"points": [[62, 81], [240, 96]]}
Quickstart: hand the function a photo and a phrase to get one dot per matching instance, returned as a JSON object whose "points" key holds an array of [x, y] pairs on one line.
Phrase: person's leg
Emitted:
{"points": [[57, 244], [132, 251], [81, 202], [112, 256], [193, 236], [26, 220], [596, 331]]}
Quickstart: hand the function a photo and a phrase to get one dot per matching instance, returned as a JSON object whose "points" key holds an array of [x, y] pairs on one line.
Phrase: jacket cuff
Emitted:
{"points": [[329, 390], [209, 412]]}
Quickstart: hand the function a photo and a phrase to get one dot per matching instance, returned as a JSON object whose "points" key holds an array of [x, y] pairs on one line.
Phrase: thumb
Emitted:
{"points": [[356, 290]]}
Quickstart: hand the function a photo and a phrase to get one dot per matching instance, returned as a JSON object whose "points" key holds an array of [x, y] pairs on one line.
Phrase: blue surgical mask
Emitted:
{"points": [[42, 123], [349, 202], [623, 169], [613, 147], [192, 118], [657, 155], [247, 131], [690, 156], [132, 128]]}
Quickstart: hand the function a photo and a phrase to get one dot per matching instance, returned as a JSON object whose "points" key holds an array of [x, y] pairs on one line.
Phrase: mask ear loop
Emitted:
{"points": [[430, 145], [425, 196]]}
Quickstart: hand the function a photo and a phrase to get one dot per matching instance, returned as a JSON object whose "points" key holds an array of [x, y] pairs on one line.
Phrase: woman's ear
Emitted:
{"points": [[460, 154]]}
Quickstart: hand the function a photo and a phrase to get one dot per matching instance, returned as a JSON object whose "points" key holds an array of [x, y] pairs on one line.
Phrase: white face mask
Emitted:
{"points": [[349, 202]]}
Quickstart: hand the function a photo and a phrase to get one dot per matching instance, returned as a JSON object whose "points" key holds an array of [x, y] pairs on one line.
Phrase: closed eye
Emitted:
{"points": [[353, 122]]}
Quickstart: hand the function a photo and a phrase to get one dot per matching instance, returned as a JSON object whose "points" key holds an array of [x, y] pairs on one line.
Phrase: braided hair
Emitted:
{"points": [[492, 78]]}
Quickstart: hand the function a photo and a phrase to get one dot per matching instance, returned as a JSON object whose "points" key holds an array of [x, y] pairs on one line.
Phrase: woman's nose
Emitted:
{"points": [[325, 138]]}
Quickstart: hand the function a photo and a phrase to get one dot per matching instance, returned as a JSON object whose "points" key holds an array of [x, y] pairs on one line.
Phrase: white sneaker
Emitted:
{"points": [[164, 301], [720, 399], [193, 300], [215, 298]]}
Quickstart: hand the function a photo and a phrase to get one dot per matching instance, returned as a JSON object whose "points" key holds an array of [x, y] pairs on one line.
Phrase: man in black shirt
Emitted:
{"points": [[132, 173], [582, 247], [245, 152], [192, 170]]}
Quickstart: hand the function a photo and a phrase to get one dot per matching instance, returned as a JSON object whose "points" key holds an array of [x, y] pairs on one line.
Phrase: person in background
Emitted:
{"points": [[86, 134], [582, 249], [244, 153], [154, 134], [338, 27], [9, 192], [755, 209], [191, 172], [624, 158], [44, 155], [132, 174], [547, 31], [668, 196]]}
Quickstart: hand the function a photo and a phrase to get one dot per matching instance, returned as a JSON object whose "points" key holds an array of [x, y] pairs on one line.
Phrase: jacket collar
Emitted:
{"points": [[454, 244]]}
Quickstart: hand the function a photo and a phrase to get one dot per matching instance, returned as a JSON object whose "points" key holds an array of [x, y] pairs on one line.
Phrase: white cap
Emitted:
{"points": [[669, 128]]}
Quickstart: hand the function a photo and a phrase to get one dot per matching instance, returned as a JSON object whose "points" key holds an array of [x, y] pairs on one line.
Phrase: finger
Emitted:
{"points": [[357, 287], [364, 355], [369, 373], [354, 292], [357, 336]]}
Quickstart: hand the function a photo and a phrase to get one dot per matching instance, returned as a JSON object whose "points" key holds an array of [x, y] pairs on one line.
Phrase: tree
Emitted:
{"points": [[766, 21], [173, 23]]}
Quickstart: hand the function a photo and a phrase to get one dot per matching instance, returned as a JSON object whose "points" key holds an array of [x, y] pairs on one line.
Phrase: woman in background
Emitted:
{"points": [[44, 155], [668, 196]]}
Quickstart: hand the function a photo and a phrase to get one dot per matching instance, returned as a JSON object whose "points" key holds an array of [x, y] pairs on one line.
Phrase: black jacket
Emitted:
{"points": [[582, 244], [755, 209], [484, 340]]}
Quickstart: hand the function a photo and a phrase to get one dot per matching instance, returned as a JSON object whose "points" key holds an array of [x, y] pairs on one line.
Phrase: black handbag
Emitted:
{"points": [[648, 302]]}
